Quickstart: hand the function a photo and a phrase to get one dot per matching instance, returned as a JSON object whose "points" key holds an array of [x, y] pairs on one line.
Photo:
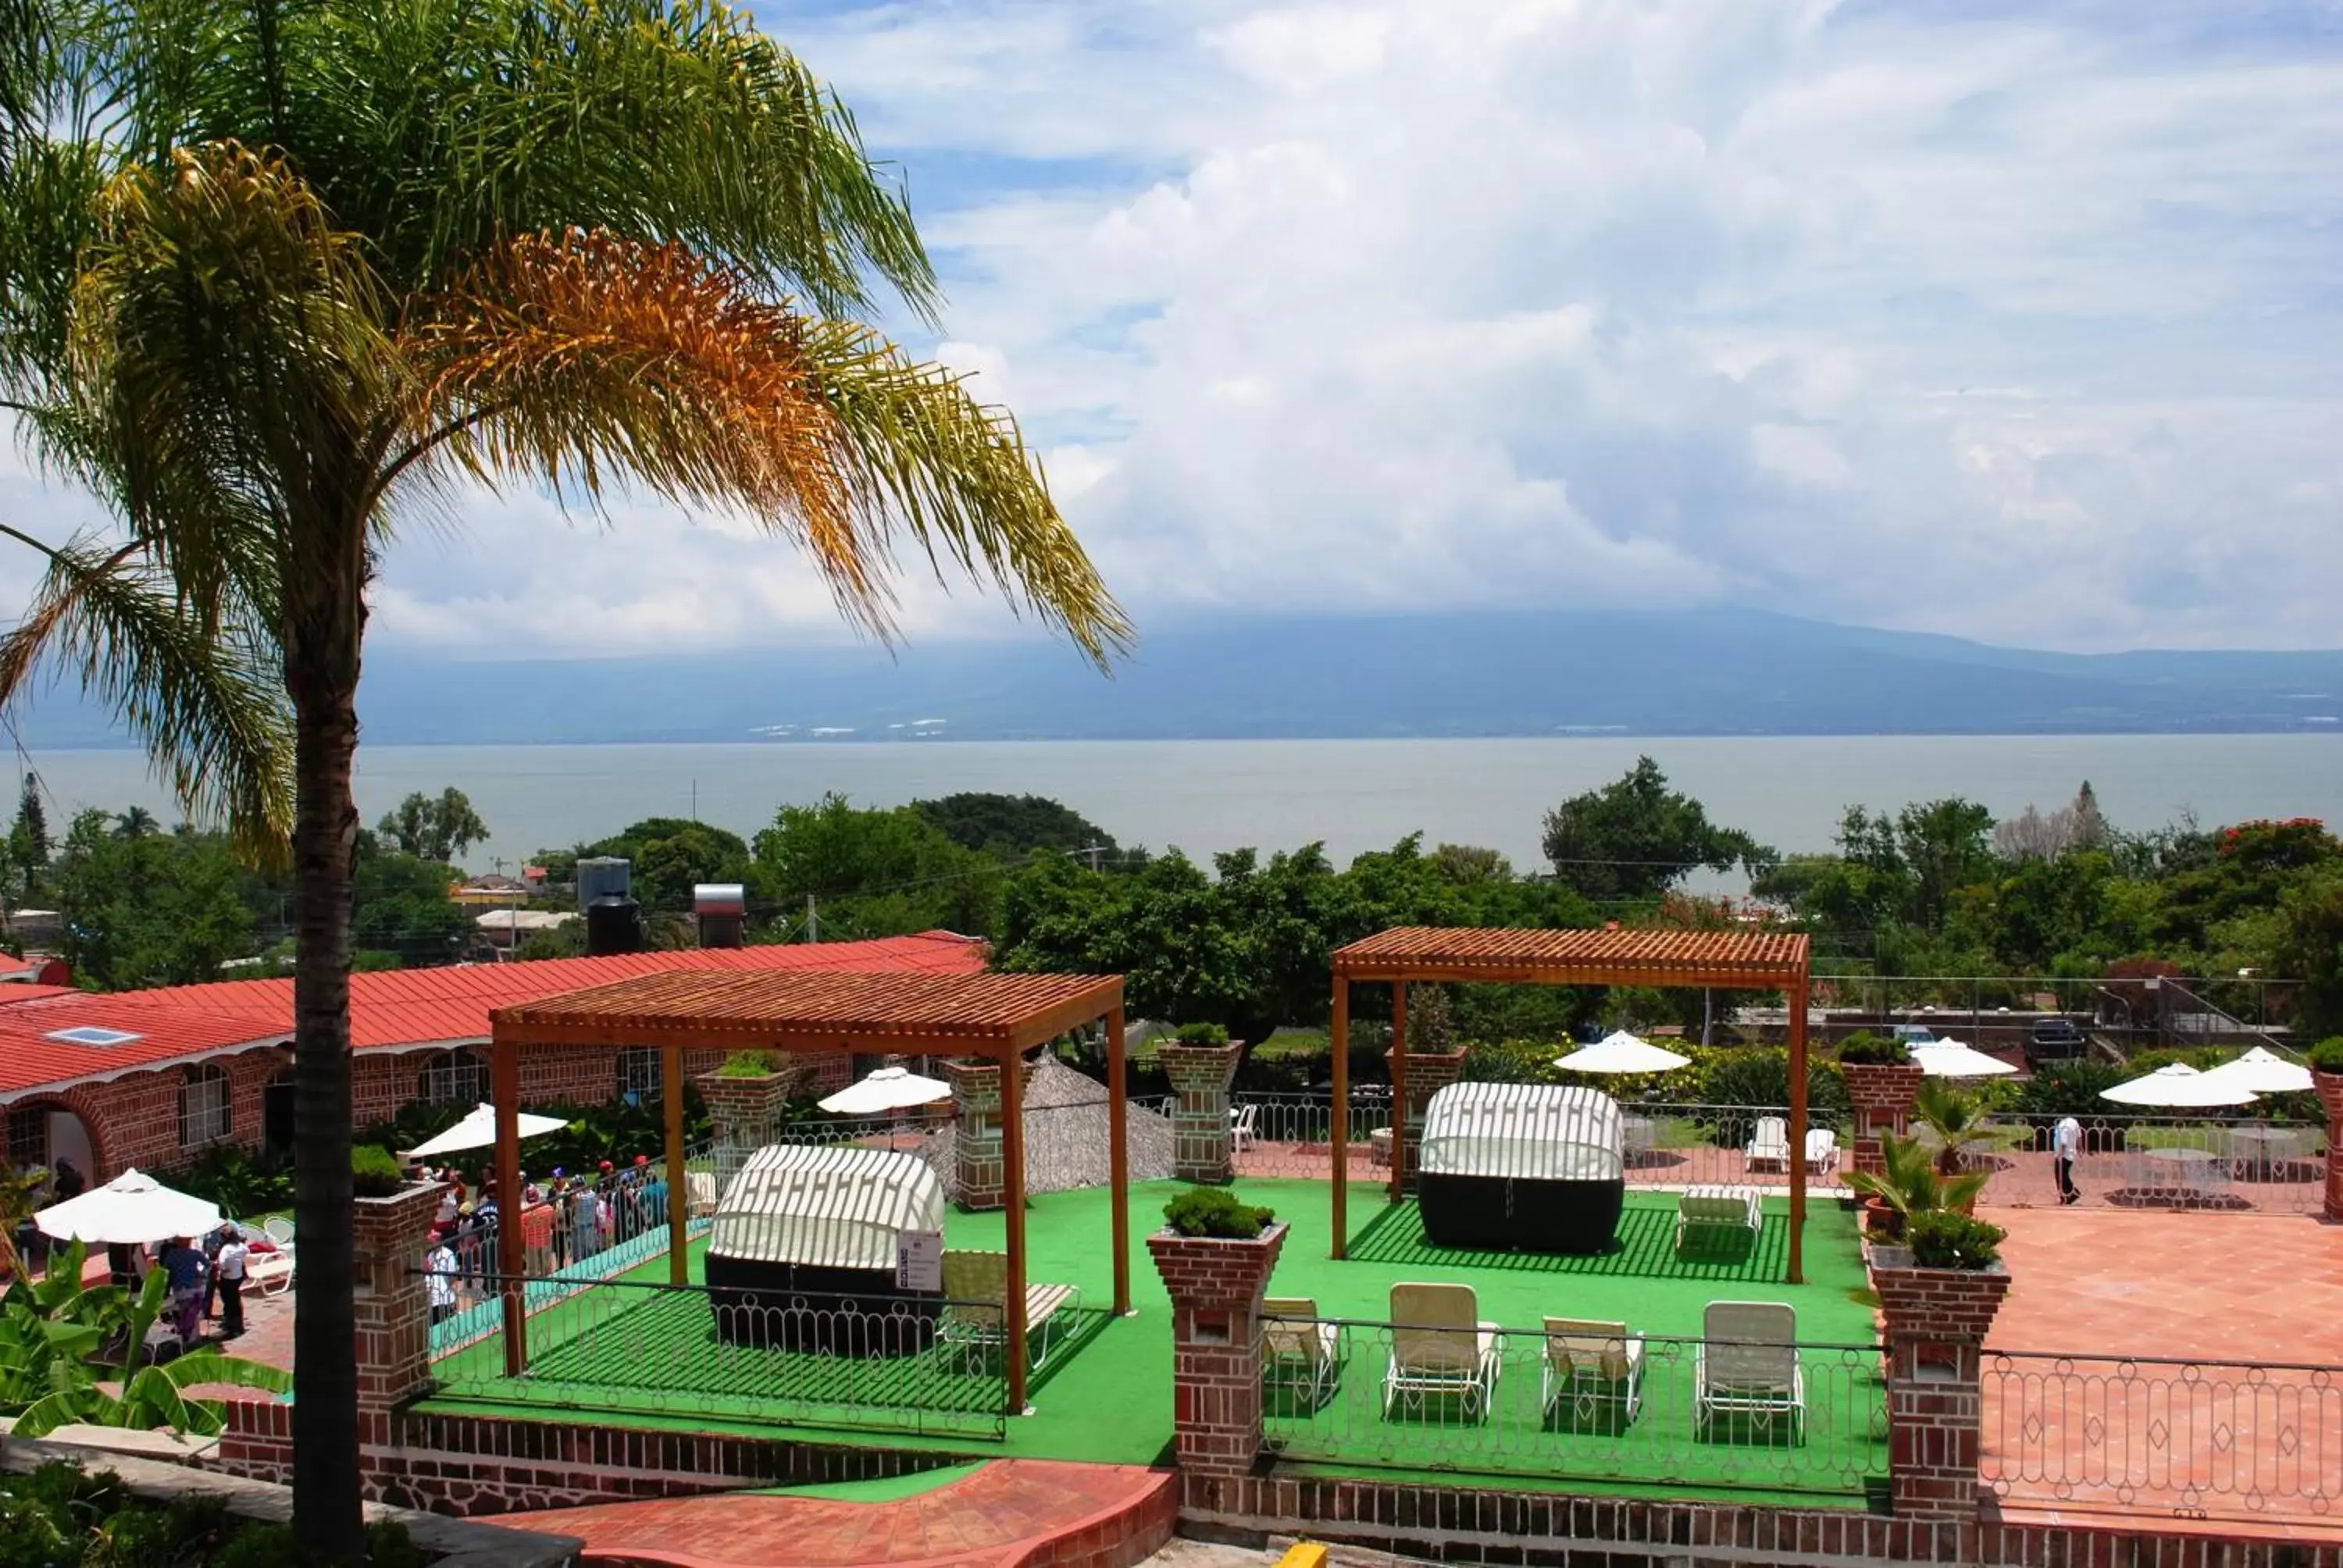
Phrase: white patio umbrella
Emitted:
{"points": [[1620, 1052], [1955, 1058], [478, 1131], [129, 1211], [2263, 1071], [889, 1089], [2178, 1085]]}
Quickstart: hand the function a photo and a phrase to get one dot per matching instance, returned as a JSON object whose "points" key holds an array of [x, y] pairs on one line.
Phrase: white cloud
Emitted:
{"points": [[2011, 321]]}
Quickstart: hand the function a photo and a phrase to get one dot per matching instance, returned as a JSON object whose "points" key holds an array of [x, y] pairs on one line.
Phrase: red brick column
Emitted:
{"points": [[979, 1178], [747, 1111], [1427, 1075], [1201, 1149], [394, 1300], [2329, 1086], [1936, 1323], [1216, 1288], [1884, 1096]]}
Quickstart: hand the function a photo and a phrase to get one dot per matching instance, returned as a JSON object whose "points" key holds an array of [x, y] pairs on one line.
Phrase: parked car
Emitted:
{"points": [[2055, 1039], [1912, 1034]]}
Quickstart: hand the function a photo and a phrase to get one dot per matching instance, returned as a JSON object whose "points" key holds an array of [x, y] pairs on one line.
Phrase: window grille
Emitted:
{"points": [[203, 1107], [640, 1077], [453, 1077]]}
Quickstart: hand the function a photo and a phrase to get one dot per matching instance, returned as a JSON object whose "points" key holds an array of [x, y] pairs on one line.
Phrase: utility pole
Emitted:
{"points": [[813, 920]]}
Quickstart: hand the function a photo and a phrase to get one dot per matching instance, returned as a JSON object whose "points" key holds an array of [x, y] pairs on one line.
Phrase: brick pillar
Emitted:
{"points": [[747, 1111], [1883, 1095], [1936, 1322], [1427, 1075], [1216, 1287], [980, 1179], [1201, 1149], [2329, 1086], [393, 1299]]}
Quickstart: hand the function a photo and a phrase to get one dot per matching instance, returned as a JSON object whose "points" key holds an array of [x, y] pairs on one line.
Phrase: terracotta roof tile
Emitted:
{"points": [[1579, 956], [395, 1007]]}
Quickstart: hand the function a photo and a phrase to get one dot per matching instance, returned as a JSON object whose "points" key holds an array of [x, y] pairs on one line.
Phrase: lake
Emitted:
{"points": [[1205, 796]]}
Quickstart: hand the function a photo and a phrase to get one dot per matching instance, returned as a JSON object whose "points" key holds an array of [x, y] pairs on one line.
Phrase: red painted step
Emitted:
{"points": [[1010, 1513]]}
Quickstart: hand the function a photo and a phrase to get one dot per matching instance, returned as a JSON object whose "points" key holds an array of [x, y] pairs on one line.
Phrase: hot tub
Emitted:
{"points": [[802, 1251], [1522, 1166]]}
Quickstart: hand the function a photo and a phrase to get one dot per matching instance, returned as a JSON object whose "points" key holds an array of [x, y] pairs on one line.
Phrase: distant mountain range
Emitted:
{"points": [[1709, 672]]}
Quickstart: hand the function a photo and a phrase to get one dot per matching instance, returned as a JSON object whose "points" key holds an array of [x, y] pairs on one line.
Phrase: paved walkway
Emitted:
{"points": [[1009, 1512]]}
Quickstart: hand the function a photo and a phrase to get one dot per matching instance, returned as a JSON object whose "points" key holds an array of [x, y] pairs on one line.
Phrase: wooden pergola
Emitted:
{"points": [[1728, 961], [997, 1017]]}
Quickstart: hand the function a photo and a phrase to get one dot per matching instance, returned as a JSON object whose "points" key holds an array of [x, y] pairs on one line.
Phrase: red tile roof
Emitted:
{"points": [[395, 1008]]}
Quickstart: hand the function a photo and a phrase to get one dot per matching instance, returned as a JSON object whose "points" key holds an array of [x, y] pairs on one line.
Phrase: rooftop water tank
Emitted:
{"points": [[603, 876], [722, 911]]}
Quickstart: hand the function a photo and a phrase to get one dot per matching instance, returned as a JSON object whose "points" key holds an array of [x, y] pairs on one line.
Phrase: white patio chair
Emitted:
{"points": [[278, 1229], [1440, 1349], [1716, 1213], [270, 1273], [1596, 1368], [1747, 1365], [1299, 1352], [1242, 1124], [1771, 1146], [1822, 1150], [976, 1305]]}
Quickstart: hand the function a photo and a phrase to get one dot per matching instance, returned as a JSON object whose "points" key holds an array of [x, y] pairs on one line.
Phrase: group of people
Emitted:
{"points": [[206, 1280], [563, 1221]]}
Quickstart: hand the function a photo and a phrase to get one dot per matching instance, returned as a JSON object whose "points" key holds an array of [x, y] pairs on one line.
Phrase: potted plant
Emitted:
{"points": [[1910, 1186], [748, 1095], [1946, 1282], [1216, 1250], [1881, 1080], [1957, 1120]]}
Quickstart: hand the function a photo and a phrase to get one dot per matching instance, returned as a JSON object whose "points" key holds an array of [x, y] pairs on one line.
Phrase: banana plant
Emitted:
{"points": [[1911, 1184], [75, 1353], [20, 1196]]}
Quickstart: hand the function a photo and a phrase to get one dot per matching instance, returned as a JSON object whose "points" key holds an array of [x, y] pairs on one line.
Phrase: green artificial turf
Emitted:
{"points": [[1108, 1398], [884, 1489]]}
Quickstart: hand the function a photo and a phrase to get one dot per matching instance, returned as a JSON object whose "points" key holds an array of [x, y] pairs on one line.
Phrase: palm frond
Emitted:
{"points": [[574, 358], [205, 708]]}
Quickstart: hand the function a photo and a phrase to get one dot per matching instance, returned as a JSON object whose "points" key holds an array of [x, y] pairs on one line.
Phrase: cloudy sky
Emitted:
{"points": [[2022, 321]]}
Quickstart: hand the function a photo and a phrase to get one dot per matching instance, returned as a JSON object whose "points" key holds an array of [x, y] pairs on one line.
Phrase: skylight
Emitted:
{"points": [[90, 1034]]}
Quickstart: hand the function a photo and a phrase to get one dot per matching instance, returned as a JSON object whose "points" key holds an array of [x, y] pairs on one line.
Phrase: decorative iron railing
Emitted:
{"points": [[2157, 1162], [2142, 1436], [797, 1358], [1648, 1409]]}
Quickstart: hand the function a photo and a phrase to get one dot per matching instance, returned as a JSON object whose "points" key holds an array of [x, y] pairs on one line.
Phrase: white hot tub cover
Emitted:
{"points": [[838, 1206], [1535, 1131]]}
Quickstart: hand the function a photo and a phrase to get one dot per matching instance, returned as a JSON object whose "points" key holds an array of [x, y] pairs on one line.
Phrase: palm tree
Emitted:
{"points": [[1957, 1119], [137, 822], [337, 257]]}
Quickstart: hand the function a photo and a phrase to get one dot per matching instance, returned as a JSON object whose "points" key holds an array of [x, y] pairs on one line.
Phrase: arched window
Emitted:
{"points": [[639, 1079], [453, 1077], [203, 1106]]}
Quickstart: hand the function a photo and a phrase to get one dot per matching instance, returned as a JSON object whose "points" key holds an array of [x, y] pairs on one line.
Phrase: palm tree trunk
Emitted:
{"points": [[321, 672]]}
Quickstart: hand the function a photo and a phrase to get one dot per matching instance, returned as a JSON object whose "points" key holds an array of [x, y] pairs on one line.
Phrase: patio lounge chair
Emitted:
{"points": [[278, 1230], [1299, 1354], [1594, 1374], [699, 1193], [1242, 1124], [976, 1306], [1439, 1349], [1747, 1366], [1822, 1150], [1713, 1216], [1771, 1146]]}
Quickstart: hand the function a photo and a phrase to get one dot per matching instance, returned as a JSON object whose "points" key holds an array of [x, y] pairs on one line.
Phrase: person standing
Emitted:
{"points": [[2065, 1144], [184, 1266], [228, 1277], [440, 1266], [68, 1182]]}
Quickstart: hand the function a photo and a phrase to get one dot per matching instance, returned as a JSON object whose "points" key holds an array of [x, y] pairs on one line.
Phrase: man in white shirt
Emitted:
{"points": [[439, 1265], [229, 1270], [2065, 1143]]}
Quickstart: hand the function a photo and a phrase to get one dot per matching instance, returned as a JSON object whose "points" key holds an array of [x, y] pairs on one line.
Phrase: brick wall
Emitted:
{"points": [[1216, 1288], [1936, 1322], [1883, 1094], [1427, 1075], [980, 1170], [2329, 1086], [1200, 1145]]}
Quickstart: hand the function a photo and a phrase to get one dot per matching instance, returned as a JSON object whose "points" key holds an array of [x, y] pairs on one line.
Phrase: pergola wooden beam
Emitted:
{"points": [[1407, 955], [999, 1016]]}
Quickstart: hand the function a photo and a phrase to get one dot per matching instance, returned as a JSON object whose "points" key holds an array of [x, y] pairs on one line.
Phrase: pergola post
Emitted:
{"points": [[1118, 1123], [679, 1261], [1338, 1035], [504, 1088], [1013, 1154], [1798, 1132], [1399, 1089]]}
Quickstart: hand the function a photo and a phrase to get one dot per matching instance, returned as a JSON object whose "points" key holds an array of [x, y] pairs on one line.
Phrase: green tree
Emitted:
{"points": [[1636, 838], [439, 830], [28, 841], [1013, 825], [2309, 946], [137, 822], [873, 872], [400, 907], [671, 855], [278, 273], [154, 909]]}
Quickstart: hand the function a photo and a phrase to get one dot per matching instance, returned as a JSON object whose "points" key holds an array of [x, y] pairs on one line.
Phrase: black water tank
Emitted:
{"points": [[613, 925]]}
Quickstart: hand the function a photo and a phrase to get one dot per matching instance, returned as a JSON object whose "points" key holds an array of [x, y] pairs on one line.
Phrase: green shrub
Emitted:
{"points": [[1867, 1049], [1206, 1034], [1947, 1239], [1511, 1061], [2327, 1056], [1215, 1211], [375, 1173], [748, 1064], [59, 1516]]}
